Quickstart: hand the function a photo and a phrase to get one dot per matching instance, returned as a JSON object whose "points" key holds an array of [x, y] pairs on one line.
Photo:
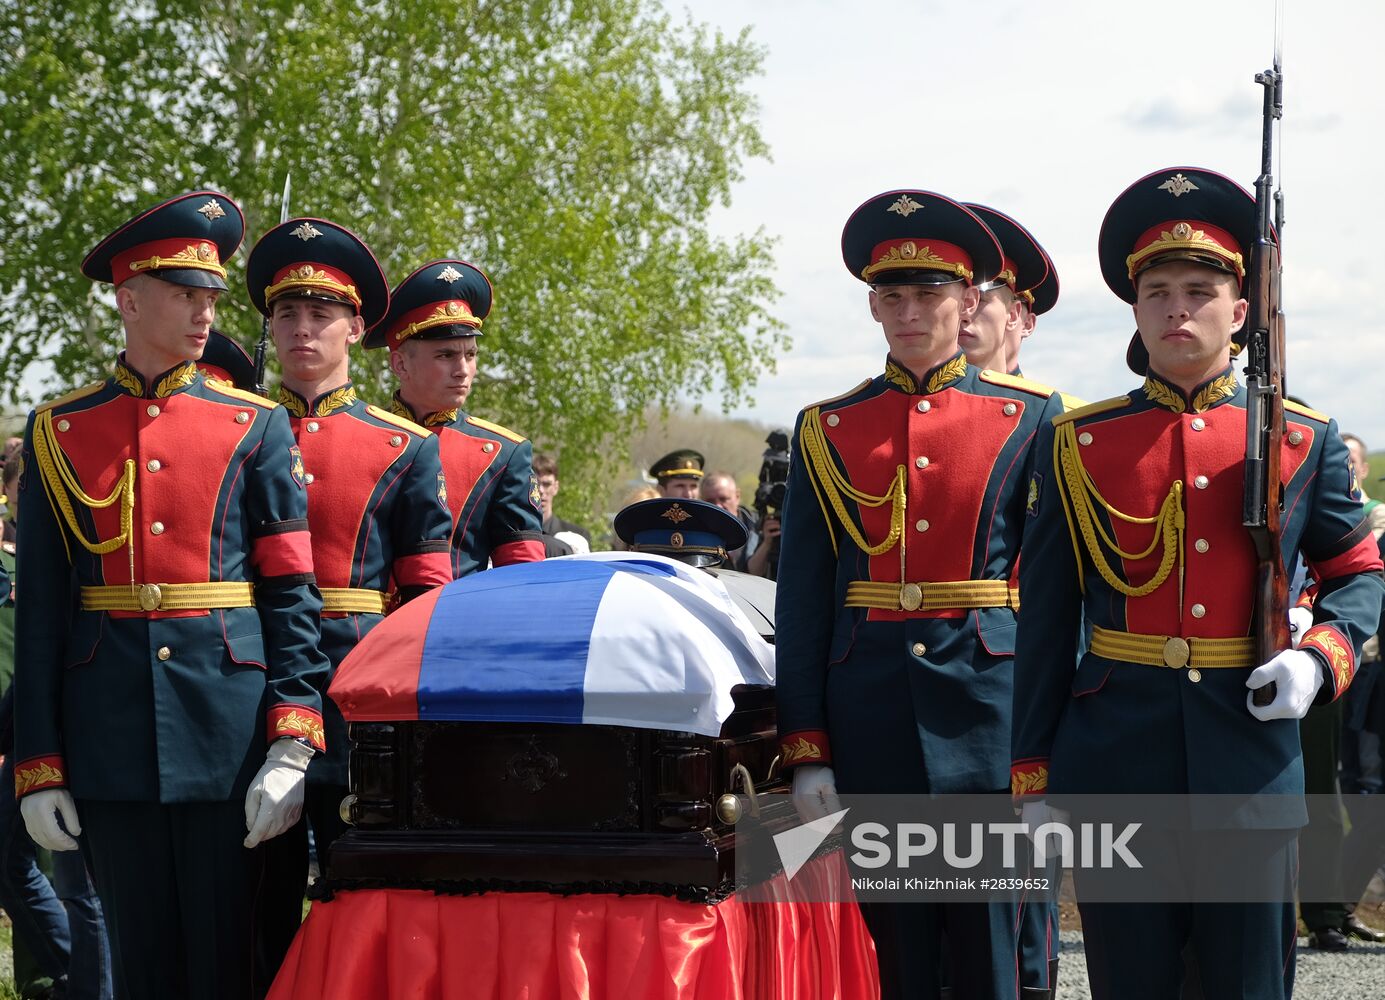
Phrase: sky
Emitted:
{"points": [[1047, 111]]}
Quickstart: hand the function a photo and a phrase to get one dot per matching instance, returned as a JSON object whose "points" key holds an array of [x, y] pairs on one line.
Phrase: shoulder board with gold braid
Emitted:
{"points": [[398, 421], [1071, 403], [837, 399], [1092, 409], [70, 397], [1017, 382], [504, 432], [227, 389], [1305, 411]]}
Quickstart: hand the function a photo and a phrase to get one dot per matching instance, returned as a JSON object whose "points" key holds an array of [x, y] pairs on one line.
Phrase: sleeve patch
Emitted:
{"points": [[534, 491], [442, 489], [300, 475], [1036, 489]]}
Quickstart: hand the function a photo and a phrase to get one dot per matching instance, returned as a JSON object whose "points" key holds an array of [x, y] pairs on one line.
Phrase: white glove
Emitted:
{"points": [[275, 799], [1034, 813], [41, 810], [1300, 621], [1297, 676], [814, 792]]}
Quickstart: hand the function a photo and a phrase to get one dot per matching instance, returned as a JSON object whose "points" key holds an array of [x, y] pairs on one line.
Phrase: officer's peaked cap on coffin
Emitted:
{"points": [[680, 528]]}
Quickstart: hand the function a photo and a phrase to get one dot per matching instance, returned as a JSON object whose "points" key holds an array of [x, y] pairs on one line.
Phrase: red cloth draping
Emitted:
{"points": [[388, 944]]}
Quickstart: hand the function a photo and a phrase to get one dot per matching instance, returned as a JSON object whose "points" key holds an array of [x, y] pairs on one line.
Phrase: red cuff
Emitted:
{"points": [[38, 773], [289, 554], [430, 569], [517, 552], [1309, 595], [1333, 647], [296, 722], [807, 746], [1029, 777]]}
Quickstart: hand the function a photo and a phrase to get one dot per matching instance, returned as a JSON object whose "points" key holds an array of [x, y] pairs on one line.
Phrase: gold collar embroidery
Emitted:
{"points": [[325, 405], [1209, 394], [439, 419], [937, 379], [180, 376]]}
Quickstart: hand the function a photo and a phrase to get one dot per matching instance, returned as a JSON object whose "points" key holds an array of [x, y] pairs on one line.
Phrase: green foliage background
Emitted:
{"points": [[573, 149]]}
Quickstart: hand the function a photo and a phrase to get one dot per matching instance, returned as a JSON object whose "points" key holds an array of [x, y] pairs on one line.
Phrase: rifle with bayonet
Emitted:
{"points": [[1264, 355], [262, 348]]}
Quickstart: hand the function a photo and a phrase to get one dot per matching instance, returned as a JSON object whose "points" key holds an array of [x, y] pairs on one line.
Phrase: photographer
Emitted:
{"points": [[769, 501]]}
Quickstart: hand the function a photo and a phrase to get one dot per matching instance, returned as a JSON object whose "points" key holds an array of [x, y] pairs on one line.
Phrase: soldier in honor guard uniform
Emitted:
{"points": [[1034, 302], [999, 318], [431, 330], [1134, 517], [168, 692], [991, 338], [896, 618], [377, 499], [679, 473]]}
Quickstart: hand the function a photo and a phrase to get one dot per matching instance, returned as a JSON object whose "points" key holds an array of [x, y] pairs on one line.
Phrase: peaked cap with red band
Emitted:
{"points": [[224, 359], [1025, 263], [443, 299], [317, 259], [918, 238], [1175, 214], [186, 240], [1043, 296]]}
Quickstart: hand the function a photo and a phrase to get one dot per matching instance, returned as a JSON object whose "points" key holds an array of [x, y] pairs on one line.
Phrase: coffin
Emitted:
{"points": [[515, 804]]}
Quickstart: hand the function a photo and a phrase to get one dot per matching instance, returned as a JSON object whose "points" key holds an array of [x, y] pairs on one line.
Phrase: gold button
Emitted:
{"points": [[153, 411], [488, 447], [63, 425], [1195, 675], [1200, 482], [1201, 545], [1084, 438], [307, 477], [924, 406], [833, 420], [921, 461], [910, 596], [165, 652], [1176, 652], [157, 528], [921, 525], [153, 465], [920, 649], [312, 426], [1198, 610], [242, 417], [1295, 437], [1010, 409], [1198, 423], [395, 441]]}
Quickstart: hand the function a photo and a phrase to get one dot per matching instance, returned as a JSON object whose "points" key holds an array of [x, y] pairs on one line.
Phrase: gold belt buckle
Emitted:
{"points": [[910, 596], [1176, 652], [151, 595]]}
